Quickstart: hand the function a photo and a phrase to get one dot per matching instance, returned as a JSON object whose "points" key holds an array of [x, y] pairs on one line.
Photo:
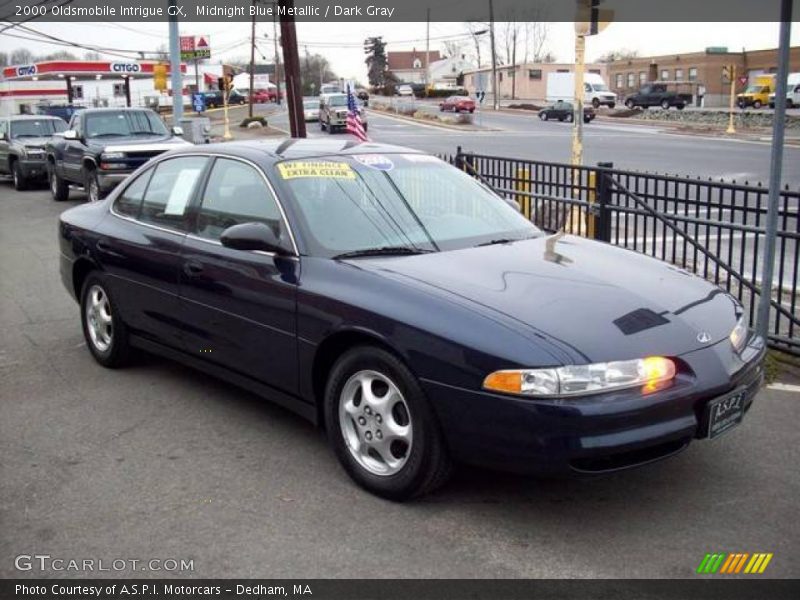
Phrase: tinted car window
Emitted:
{"points": [[123, 123], [36, 127], [170, 190], [235, 193], [129, 201]]}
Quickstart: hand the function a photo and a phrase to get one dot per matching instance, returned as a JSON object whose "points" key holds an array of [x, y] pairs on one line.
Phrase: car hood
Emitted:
{"points": [[139, 143], [31, 142], [598, 301]]}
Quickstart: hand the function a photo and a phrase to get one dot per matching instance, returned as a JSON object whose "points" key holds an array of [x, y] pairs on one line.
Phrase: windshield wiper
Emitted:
{"points": [[97, 135], [505, 241], [383, 251], [144, 133]]}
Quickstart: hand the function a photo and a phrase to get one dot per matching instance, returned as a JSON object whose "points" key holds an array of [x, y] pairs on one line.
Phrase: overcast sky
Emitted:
{"points": [[341, 43]]}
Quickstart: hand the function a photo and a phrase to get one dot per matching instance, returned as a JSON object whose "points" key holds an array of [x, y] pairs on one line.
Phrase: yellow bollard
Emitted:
{"points": [[522, 183]]}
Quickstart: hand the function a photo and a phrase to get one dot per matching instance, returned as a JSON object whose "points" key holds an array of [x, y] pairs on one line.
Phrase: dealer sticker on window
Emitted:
{"points": [[324, 169], [375, 161]]}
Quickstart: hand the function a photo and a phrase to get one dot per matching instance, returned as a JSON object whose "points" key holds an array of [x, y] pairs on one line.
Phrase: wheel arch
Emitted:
{"points": [[80, 271], [331, 348], [88, 163]]}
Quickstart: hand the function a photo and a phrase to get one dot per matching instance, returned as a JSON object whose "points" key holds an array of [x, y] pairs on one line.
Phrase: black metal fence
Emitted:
{"points": [[713, 229]]}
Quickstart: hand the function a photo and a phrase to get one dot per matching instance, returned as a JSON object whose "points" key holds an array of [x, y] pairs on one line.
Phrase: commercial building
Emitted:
{"points": [[526, 81], [84, 83], [702, 71]]}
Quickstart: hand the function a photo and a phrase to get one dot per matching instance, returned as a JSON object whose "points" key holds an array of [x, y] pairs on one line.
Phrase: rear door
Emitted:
{"points": [[240, 306], [139, 246]]}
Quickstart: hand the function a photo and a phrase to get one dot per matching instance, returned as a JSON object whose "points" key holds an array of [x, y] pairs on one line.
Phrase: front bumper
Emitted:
{"points": [[33, 168], [108, 180], [598, 434]]}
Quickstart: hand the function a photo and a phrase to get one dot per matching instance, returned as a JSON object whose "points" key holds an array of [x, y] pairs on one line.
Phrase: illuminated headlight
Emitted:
{"points": [[574, 380], [112, 156], [738, 336]]}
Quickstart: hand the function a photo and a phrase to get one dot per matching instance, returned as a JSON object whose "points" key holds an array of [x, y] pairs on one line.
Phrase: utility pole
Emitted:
{"points": [[252, 63], [577, 117], [732, 75], [427, 48], [776, 163], [277, 60], [176, 79], [495, 91], [514, 64], [294, 93]]}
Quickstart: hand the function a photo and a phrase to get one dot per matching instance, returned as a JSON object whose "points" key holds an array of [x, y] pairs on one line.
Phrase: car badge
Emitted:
{"points": [[703, 337]]}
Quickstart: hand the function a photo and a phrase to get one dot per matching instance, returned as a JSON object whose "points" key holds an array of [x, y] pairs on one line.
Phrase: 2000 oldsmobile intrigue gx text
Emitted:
{"points": [[408, 310]]}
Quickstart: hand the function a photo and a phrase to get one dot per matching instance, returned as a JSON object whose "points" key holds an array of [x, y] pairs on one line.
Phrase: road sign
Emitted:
{"points": [[198, 102], [743, 79], [195, 47]]}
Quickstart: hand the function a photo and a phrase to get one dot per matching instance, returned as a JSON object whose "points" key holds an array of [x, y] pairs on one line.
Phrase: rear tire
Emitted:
{"points": [[105, 333], [665, 104], [371, 397], [20, 183], [58, 187], [595, 103], [543, 116], [630, 104], [757, 104]]}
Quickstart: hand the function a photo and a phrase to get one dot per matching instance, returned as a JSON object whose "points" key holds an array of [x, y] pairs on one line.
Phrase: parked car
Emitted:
{"points": [[565, 111], [658, 94], [404, 90], [792, 92], [264, 96], [458, 104], [311, 109], [22, 142], [102, 146], [62, 111], [333, 112], [417, 324], [214, 98]]}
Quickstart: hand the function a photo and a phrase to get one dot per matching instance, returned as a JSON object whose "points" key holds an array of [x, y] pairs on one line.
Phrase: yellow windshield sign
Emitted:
{"points": [[324, 169]]}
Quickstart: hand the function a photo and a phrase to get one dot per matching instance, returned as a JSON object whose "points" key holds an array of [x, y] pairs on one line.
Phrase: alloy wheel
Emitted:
{"points": [[99, 321], [375, 422]]}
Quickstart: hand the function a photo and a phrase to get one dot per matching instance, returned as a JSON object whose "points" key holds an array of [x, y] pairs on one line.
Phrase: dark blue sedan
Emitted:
{"points": [[408, 310]]}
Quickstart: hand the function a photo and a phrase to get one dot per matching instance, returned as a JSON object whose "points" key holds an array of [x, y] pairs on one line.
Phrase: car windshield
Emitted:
{"points": [[123, 123], [337, 100], [600, 87], [37, 127], [310, 104], [394, 201]]}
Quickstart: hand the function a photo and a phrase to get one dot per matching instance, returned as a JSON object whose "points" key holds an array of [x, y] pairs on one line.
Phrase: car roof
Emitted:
{"points": [[274, 150], [118, 108], [33, 117]]}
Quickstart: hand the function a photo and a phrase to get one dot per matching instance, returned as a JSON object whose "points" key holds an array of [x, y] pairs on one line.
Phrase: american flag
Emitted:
{"points": [[354, 124]]}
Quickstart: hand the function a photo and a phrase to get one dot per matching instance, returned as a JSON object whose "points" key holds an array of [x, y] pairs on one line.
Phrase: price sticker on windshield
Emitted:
{"points": [[322, 169]]}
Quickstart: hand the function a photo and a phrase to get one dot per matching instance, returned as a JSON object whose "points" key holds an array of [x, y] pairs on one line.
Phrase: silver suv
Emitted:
{"points": [[333, 112]]}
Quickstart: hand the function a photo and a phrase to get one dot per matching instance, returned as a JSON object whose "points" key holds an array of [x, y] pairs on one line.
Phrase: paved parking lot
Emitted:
{"points": [[157, 461]]}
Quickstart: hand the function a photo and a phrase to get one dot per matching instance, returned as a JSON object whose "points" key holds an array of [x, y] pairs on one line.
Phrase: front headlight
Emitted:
{"points": [[575, 380], [112, 156], [738, 336]]}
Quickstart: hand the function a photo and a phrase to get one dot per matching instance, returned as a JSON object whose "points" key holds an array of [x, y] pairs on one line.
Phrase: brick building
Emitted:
{"points": [[702, 71]]}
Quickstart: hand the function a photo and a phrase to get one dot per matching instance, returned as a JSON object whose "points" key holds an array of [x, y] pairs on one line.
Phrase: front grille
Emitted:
{"points": [[144, 155]]}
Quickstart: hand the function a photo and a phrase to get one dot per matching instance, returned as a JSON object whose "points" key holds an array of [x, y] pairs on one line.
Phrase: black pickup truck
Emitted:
{"points": [[658, 94], [103, 146]]}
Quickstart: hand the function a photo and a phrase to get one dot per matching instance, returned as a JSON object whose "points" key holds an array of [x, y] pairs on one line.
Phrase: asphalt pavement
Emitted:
{"points": [[157, 461], [653, 148]]}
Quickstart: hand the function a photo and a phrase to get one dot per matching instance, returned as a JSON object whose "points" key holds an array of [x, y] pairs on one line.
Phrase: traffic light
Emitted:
{"points": [[225, 83], [160, 77], [590, 19]]}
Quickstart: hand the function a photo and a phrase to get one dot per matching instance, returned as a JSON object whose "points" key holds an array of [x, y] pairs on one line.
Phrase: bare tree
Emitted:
{"points": [[91, 56], [21, 56], [536, 33], [620, 54], [476, 30], [452, 48], [4, 59]]}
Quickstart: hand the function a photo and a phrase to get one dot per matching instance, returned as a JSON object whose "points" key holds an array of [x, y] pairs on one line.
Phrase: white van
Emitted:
{"points": [[792, 92], [561, 86]]}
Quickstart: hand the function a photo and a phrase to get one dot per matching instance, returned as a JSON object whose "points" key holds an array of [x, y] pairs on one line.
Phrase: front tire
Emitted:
{"points": [[665, 104], [381, 426], [595, 103], [543, 116], [20, 183], [105, 333], [92, 186], [757, 104], [630, 104]]}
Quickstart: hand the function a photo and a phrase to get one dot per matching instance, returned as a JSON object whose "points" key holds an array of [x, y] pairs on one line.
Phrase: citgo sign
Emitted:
{"points": [[126, 68], [26, 70]]}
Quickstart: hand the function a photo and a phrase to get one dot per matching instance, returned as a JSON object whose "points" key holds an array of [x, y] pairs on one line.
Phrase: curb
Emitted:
{"points": [[425, 122]]}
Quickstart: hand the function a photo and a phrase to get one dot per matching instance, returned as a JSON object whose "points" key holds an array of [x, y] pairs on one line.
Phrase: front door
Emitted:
{"points": [[239, 306]]}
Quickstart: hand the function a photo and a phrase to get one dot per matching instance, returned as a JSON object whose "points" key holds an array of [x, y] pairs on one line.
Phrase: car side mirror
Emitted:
{"points": [[177, 131], [253, 236], [70, 134]]}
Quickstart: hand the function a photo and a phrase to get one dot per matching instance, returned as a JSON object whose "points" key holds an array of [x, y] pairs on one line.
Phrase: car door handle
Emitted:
{"points": [[104, 246], [192, 268]]}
